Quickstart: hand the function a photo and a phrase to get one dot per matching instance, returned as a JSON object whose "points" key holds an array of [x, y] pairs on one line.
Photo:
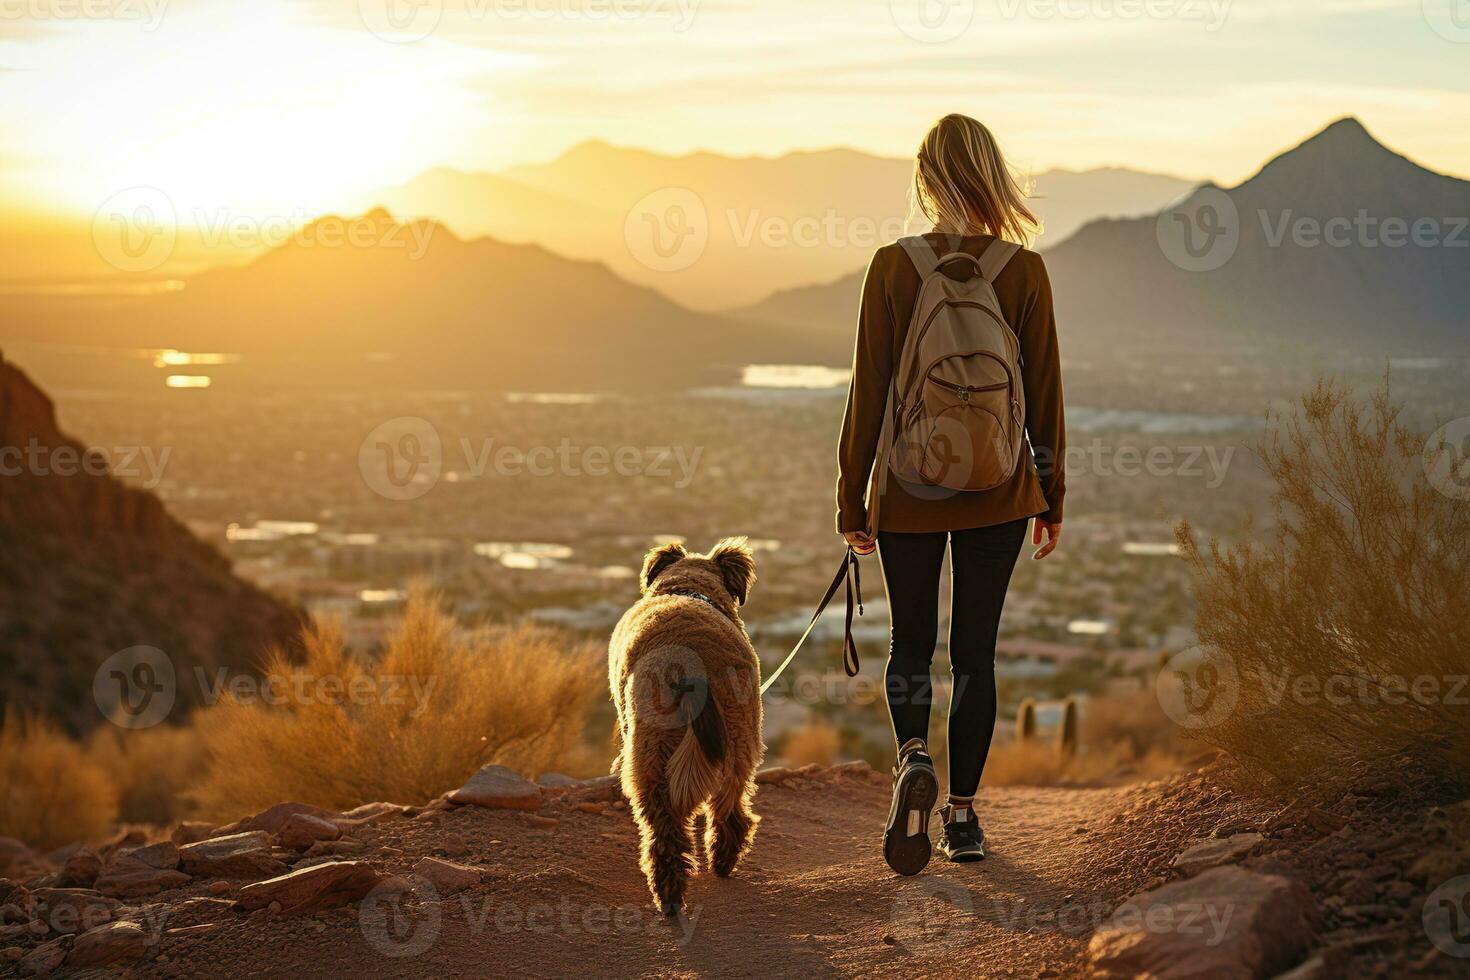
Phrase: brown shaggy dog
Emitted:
{"points": [[686, 684]]}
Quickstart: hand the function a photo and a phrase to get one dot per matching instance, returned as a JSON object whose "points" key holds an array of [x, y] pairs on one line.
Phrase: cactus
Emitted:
{"points": [[1026, 720], [1067, 733]]}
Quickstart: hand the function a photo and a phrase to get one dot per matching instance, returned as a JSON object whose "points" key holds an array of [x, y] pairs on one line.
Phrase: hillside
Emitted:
{"points": [[772, 222], [90, 567], [1173, 878], [368, 302], [1115, 284]]}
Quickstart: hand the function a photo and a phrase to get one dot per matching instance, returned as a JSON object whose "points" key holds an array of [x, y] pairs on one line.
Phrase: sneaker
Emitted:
{"points": [[906, 845], [963, 839]]}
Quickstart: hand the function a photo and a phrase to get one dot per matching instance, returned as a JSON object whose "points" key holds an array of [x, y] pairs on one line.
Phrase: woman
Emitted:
{"points": [[963, 186]]}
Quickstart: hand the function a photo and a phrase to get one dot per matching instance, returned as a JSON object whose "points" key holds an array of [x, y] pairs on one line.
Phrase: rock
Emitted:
{"points": [[555, 780], [595, 808], [335, 848], [1213, 853], [274, 820], [536, 820], [319, 887], [1226, 922], [116, 942], [859, 767], [44, 960], [244, 855], [185, 932], [603, 789], [19, 930], [301, 830], [16, 859], [71, 910], [370, 813], [191, 832], [498, 788], [124, 840], [81, 868], [12, 953], [446, 876], [775, 774], [142, 871], [219, 887]]}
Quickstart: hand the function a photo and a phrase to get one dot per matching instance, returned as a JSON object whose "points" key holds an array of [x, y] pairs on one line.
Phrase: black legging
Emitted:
{"points": [[981, 561]]}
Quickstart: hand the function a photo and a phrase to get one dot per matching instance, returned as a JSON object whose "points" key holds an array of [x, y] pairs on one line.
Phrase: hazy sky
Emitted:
{"points": [[292, 104]]}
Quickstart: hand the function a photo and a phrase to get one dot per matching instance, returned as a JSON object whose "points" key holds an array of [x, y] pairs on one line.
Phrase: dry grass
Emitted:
{"points": [[817, 741], [1363, 590], [50, 792], [154, 770], [404, 727]]}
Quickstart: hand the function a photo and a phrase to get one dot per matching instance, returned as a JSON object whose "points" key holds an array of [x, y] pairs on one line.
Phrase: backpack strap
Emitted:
{"points": [[995, 257], [924, 257]]}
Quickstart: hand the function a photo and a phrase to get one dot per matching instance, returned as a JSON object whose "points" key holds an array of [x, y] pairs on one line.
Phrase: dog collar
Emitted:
{"points": [[690, 593]]}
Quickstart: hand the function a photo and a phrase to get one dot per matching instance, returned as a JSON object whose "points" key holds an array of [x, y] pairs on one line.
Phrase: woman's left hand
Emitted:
{"points": [[1053, 535]]}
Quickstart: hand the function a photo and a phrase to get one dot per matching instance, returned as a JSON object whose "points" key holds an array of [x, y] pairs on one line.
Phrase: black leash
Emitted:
{"points": [[847, 573]]}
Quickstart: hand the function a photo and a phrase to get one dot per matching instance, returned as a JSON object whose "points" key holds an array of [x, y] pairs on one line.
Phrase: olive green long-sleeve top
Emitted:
{"points": [[1038, 485]]}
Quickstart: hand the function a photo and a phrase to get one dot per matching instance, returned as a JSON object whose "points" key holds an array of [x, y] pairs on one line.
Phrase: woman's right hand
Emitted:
{"points": [[860, 542]]}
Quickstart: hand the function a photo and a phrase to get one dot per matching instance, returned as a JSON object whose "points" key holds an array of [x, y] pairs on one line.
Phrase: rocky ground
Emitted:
{"points": [[1179, 877]]}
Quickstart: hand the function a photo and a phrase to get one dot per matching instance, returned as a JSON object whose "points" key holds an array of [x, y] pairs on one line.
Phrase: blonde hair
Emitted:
{"points": [[963, 185]]}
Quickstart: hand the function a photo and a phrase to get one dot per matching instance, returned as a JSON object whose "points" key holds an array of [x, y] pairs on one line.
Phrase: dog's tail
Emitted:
{"points": [[692, 777]]}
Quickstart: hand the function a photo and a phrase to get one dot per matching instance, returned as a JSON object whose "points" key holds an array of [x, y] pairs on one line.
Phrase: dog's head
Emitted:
{"points": [[728, 570]]}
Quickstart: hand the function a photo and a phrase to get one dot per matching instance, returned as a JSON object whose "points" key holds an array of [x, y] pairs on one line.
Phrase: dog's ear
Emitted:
{"points": [[659, 559], [737, 567]]}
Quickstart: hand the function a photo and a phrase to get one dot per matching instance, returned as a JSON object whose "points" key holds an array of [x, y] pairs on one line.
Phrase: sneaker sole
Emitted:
{"points": [[966, 857], [906, 845]]}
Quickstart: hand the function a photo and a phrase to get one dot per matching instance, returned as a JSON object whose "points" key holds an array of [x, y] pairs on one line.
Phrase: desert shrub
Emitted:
{"points": [[1322, 634], [338, 730], [818, 741], [50, 792], [1134, 720], [153, 769]]}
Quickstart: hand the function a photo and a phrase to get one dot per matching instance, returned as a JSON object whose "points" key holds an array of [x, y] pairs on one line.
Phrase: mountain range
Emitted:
{"points": [[1309, 253], [90, 567], [768, 222]]}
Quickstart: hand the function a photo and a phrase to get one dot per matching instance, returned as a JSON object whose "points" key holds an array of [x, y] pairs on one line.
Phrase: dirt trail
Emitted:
{"points": [[565, 898]]}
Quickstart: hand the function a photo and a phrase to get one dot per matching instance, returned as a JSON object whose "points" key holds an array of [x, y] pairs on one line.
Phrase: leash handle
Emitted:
{"points": [[847, 573]]}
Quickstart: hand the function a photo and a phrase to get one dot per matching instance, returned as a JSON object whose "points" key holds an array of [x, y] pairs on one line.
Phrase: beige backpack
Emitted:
{"points": [[956, 411]]}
